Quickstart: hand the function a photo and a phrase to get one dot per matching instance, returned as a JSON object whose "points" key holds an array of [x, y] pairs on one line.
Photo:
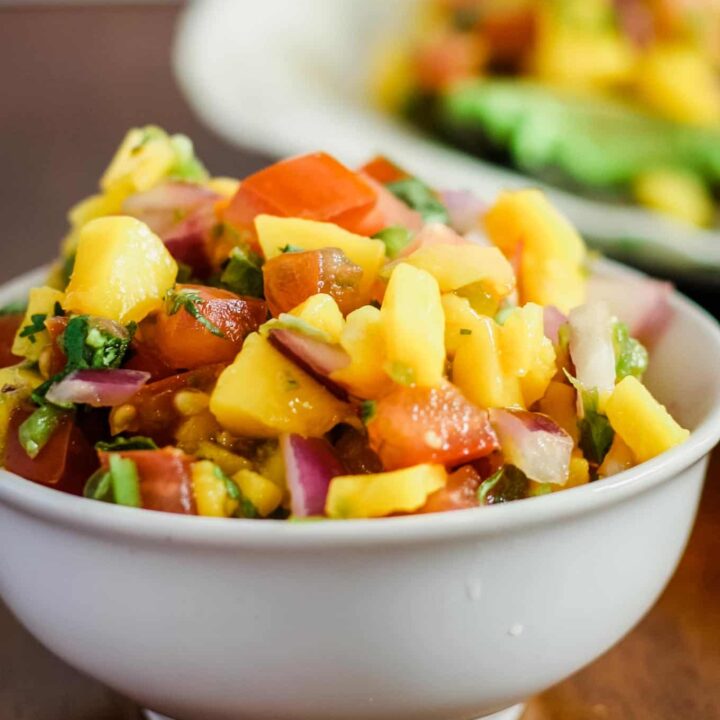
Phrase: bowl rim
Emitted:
{"points": [[134, 524]]}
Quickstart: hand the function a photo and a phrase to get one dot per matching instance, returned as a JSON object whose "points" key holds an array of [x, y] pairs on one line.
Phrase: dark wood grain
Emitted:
{"points": [[71, 82]]}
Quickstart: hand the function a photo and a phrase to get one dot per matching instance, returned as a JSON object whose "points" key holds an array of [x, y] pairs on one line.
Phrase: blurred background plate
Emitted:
{"points": [[291, 76]]}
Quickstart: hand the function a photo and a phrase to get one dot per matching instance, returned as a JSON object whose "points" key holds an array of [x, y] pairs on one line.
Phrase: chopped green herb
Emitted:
{"points": [[37, 325], [187, 167], [190, 301], [286, 321], [596, 433], [242, 275], [99, 486], [291, 249], [368, 408], [465, 331], [245, 509], [416, 194], [125, 481], [400, 373], [507, 484], [35, 432], [396, 238], [138, 442], [19, 307], [290, 382], [631, 358]]}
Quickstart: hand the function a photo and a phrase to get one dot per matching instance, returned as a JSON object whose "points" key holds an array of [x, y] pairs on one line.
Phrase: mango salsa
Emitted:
{"points": [[322, 312], [41, 302]]}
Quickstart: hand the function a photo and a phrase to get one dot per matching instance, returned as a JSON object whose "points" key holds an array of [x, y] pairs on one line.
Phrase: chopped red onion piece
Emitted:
{"points": [[591, 346], [534, 443], [553, 320], [99, 388], [464, 208], [310, 465], [317, 358], [433, 234]]}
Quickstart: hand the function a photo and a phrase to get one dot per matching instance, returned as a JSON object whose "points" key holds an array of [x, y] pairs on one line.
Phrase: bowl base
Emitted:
{"points": [[512, 713]]}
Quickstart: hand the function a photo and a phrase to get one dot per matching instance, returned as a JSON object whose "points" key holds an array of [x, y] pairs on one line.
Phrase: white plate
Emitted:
{"points": [[290, 76]]}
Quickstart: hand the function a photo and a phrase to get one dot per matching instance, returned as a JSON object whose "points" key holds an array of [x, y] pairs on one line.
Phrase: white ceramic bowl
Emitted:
{"points": [[443, 617]]}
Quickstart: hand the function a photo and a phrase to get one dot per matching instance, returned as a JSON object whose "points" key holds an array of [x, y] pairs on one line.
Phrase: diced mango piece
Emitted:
{"points": [[41, 301], [460, 319], [559, 403], [642, 422], [264, 494], [528, 229], [227, 461], [366, 496], [526, 352], [477, 369], [413, 326], [224, 186], [362, 338], [274, 233], [211, 495], [16, 384], [454, 266], [122, 270], [618, 458], [579, 471], [679, 82], [263, 394], [322, 312], [679, 194]]}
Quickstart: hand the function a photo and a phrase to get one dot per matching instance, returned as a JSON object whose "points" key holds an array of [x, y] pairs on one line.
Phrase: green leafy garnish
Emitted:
{"points": [[18, 307], [245, 508], [138, 442], [37, 325], [187, 167], [35, 432], [99, 486], [465, 331], [417, 195], [631, 358], [396, 238], [190, 301], [125, 481], [291, 249], [368, 409], [242, 275], [507, 484]]}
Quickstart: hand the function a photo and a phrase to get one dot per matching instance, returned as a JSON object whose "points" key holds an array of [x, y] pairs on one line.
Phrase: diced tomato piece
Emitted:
{"points": [[447, 59], [383, 170], [459, 493], [509, 33], [146, 358], [414, 425], [152, 412], [355, 454], [165, 479], [56, 327], [181, 341], [9, 325], [66, 461], [291, 278], [314, 187]]}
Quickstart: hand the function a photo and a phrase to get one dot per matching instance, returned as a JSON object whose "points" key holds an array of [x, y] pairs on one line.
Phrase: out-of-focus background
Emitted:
{"points": [[73, 78]]}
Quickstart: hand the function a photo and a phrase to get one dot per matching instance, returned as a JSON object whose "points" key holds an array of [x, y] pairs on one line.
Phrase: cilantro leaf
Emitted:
{"points": [[368, 408], [596, 433], [37, 325], [242, 275], [417, 195], [631, 358], [246, 509], [138, 442], [190, 301], [507, 484], [291, 249], [396, 238]]}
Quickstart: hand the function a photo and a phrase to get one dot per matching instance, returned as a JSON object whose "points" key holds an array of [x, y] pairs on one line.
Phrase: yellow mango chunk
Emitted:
{"points": [[264, 494], [122, 270], [227, 461], [274, 233], [559, 403], [618, 458], [460, 319], [455, 266], [478, 371], [16, 384], [642, 422], [680, 83], [224, 186], [322, 312], [579, 471], [366, 496], [681, 195], [413, 324], [551, 252], [362, 338], [210, 492], [41, 301], [263, 394]]}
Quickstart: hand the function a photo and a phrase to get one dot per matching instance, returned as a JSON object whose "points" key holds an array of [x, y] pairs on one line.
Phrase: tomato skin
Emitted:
{"points": [[383, 170], [152, 410], [66, 461], [9, 325], [291, 278], [414, 425], [56, 327], [314, 187], [180, 341], [460, 492], [165, 479]]}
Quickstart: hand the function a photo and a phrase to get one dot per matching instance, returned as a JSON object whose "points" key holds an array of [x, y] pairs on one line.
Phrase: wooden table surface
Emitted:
{"points": [[72, 80]]}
